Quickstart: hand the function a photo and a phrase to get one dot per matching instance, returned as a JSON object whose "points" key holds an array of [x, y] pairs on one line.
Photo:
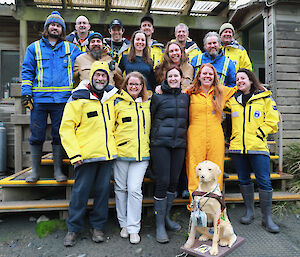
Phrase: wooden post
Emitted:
{"points": [[23, 41]]}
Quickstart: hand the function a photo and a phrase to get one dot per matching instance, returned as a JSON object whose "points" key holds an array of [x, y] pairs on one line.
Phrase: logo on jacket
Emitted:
{"points": [[257, 114]]}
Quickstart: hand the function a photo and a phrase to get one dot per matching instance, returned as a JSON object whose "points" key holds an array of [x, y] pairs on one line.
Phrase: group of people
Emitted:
{"points": [[115, 106]]}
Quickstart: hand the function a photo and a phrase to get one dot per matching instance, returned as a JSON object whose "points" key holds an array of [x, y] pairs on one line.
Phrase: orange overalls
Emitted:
{"points": [[205, 138]]}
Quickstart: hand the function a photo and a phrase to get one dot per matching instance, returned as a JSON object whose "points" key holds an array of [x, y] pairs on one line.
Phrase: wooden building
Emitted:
{"points": [[271, 32], [268, 29]]}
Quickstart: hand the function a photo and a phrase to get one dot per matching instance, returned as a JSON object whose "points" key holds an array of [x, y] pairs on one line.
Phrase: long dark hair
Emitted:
{"points": [[160, 71], [218, 99], [62, 37], [132, 52], [171, 67], [255, 85]]}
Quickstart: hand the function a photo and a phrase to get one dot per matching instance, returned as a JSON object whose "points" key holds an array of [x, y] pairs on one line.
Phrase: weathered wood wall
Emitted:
{"points": [[287, 68]]}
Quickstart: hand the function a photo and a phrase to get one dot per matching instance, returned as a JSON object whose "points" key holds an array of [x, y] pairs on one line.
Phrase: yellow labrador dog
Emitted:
{"points": [[205, 200]]}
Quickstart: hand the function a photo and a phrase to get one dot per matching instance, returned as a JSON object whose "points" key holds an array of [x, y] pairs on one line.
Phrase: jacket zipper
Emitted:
{"points": [[108, 111], [106, 139], [249, 113], [139, 143], [144, 122], [244, 130]]}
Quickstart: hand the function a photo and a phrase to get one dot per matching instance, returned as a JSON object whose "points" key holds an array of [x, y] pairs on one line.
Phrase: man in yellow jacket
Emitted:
{"points": [[232, 49], [156, 48], [182, 37], [87, 135]]}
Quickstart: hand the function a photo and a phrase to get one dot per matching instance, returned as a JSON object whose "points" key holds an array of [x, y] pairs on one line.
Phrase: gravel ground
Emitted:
{"points": [[18, 238]]}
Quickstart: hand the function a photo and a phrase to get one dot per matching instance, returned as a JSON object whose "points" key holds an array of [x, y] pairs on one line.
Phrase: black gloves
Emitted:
{"points": [[27, 101]]}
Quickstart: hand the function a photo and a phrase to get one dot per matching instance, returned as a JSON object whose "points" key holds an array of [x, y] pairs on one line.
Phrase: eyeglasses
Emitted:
{"points": [[135, 84]]}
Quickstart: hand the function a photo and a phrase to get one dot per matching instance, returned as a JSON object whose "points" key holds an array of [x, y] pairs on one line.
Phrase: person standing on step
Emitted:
{"points": [[138, 59], [47, 82], [169, 119], [254, 115], [86, 131], [156, 48], [132, 111], [232, 49], [81, 33], [116, 42]]}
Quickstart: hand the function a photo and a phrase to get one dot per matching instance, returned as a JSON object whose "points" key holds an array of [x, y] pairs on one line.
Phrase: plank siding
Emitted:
{"points": [[287, 60]]}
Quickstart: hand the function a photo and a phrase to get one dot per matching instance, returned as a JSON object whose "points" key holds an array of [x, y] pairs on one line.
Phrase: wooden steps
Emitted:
{"points": [[51, 205]]}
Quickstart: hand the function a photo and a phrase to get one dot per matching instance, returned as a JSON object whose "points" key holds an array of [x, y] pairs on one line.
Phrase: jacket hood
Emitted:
{"points": [[156, 43], [235, 44], [260, 94], [103, 66], [82, 91], [124, 95], [168, 90]]}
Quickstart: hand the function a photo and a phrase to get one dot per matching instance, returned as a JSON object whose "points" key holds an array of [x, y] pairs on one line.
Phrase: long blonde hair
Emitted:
{"points": [[136, 74], [218, 97]]}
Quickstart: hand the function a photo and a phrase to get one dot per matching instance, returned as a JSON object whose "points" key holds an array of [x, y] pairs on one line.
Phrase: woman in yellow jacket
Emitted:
{"points": [[254, 116], [205, 138], [132, 131]]}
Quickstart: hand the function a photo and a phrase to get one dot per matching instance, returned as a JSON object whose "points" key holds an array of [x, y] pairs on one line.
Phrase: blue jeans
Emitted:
{"points": [[87, 176], [38, 122], [257, 163]]}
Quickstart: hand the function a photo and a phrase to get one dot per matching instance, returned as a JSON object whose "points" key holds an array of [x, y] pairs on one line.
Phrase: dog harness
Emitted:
{"points": [[198, 217], [220, 198]]}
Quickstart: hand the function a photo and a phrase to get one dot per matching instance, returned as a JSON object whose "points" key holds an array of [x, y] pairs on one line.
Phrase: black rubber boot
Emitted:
{"points": [[265, 199], [57, 158], [160, 207], [36, 155], [171, 225], [248, 196]]}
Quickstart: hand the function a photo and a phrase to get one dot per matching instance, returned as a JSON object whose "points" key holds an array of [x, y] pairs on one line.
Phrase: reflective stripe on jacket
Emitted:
{"points": [[238, 55], [132, 128], [87, 125], [223, 65], [252, 124], [47, 73]]}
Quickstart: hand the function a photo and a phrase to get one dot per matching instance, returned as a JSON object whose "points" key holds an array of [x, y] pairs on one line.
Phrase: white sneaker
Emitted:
{"points": [[135, 238], [124, 233]]}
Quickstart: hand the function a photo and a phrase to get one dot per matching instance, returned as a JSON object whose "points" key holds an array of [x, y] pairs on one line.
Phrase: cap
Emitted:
{"points": [[147, 18], [115, 22], [226, 26], [95, 35], [55, 17]]}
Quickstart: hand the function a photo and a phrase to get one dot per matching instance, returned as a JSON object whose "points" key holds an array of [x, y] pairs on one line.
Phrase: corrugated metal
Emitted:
{"points": [[174, 7], [7, 2], [128, 4], [204, 6], [168, 5]]}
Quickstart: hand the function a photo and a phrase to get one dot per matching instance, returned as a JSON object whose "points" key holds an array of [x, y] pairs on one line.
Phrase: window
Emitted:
{"points": [[9, 71]]}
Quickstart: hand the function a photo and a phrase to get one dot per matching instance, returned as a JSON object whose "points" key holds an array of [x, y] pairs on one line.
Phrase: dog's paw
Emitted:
{"points": [[204, 238], [232, 240], [188, 244], [214, 251], [223, 242]]}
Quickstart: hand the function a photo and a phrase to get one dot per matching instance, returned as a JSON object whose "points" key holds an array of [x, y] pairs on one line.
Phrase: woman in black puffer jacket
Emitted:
{"points": [[169, 117]]}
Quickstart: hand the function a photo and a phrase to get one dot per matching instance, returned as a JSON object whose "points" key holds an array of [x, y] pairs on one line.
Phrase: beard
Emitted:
{"points": [[96, 53]]}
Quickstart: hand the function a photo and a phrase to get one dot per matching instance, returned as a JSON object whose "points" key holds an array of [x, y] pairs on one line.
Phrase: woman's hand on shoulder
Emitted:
{"points": [[158, 90]]}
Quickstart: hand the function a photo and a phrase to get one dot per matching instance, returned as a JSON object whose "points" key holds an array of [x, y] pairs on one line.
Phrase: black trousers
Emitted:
{"points": [[167, 165]]}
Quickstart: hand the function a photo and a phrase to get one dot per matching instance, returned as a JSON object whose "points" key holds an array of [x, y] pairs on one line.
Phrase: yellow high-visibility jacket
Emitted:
{"points": [[252, 124], [132, 127], [238, 55], [87, 126]]}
